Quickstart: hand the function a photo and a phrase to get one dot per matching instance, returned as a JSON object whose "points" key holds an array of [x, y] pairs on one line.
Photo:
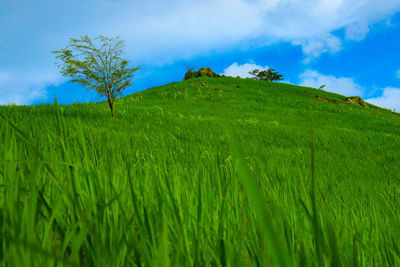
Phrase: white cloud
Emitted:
{"points": [[23, 88], [357, 31], [159, 32], [186, 28], [310, 24], [242, 70], [181, 29], [390, 99], [313, 48], [340, 85]]}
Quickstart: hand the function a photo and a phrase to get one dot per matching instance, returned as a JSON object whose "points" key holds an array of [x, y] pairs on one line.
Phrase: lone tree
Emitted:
{"points": [[97, 64], [266, 75]]}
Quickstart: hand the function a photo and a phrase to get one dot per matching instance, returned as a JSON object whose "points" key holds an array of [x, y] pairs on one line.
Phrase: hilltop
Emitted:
{"points": [[205, 172]]}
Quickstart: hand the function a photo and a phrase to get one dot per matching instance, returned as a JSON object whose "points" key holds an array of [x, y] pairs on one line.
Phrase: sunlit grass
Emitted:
{"points": [[262, 175]]}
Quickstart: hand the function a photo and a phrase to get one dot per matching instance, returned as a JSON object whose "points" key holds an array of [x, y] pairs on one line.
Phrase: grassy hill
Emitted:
{"points": [[251, 174]]}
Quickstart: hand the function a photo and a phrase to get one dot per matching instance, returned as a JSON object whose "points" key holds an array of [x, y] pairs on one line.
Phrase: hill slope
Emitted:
{"points": [[190, 175]]}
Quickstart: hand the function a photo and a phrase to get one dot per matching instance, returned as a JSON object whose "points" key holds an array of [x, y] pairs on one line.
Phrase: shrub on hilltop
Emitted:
{"points": [[266, 75], [203, 72]]}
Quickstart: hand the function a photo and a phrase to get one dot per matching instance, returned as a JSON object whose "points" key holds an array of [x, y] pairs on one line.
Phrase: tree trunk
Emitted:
{"points": [[111, 104]]}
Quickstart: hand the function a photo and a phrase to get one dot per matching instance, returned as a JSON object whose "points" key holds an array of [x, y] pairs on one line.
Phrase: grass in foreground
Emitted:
{"points": [[187, 175]]}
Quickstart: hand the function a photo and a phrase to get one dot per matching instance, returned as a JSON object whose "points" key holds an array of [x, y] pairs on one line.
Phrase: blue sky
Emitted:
{"points": [[350, 46]]}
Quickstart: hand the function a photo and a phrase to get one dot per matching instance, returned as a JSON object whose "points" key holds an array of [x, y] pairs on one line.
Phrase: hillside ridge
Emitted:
{"points": [[243, 85]]}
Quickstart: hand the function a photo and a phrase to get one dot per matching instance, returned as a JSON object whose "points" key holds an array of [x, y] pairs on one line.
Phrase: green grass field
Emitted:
{"points": [[262, 174]]}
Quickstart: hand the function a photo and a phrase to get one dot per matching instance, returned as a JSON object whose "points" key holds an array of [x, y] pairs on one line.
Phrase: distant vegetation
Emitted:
{"points": [[266, 75], [203, 72], [97, 66]]}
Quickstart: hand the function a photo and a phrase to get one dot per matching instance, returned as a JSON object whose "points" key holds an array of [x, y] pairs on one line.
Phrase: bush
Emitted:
{"points": [[266, 75], [203, 72]]}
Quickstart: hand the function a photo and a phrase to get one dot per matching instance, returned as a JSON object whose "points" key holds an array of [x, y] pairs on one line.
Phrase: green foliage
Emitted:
{"points": [[266, 75], [188, 74], [201, 178], [203, 72], [97, 66]]}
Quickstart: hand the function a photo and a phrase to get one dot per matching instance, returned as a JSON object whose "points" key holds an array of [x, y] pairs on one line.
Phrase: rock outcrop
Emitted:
{"points": [[203, 72], [356, 100]]}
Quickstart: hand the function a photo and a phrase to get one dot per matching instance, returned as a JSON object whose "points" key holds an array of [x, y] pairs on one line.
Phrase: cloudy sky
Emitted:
{"points": [[350, 46]]}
